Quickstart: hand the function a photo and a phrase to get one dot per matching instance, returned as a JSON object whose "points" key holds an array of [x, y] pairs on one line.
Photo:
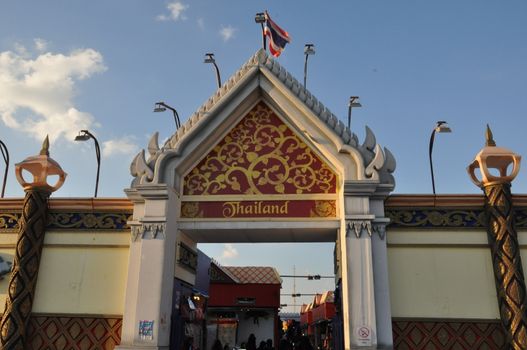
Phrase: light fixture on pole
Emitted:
{"points": [[354, 102], [441, 127], [260, 18], [309, 49], [5, 155], [162, 106], [209, 58], [85, 135]]}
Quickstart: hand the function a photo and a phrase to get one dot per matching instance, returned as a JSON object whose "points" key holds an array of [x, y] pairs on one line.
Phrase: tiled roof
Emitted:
{"points": [[254, 274], [327, 297], [374, 159]]}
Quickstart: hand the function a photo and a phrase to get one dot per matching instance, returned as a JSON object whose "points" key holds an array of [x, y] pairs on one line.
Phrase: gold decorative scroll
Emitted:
{"points": [[260, 155]]}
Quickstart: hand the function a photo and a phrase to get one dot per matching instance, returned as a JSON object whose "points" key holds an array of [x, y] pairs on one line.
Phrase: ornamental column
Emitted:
{"points": [[358, 291], [151, 267], [23, 280], [502, 237]]}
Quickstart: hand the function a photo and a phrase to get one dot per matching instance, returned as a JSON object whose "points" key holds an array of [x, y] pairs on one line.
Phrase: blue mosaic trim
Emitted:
{"points": [[75, 221], [445, 218]]}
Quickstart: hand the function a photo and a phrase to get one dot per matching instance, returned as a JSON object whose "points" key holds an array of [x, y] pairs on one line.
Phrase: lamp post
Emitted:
{"points": [[309, 49], [260, 18], [441, 127], [162, 106], [354, 102], [85, 135], [209, 58], [502, 236], [5, 155]]}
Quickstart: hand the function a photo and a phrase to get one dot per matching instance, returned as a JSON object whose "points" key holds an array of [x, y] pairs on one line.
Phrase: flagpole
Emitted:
{"points": [[260, 18]]}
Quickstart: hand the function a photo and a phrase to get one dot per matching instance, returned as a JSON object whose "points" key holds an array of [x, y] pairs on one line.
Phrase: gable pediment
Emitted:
{"points": [[261, 155], [260, 168]]}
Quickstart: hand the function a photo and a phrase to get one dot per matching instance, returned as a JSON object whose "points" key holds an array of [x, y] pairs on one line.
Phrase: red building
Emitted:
{"points": [[317, 320], [243, 301]]}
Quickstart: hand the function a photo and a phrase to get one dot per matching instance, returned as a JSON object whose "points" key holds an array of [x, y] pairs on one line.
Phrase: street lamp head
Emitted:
{"points": [[309, 49], [259, 17], [209, 58], [82, 136], [354, 102], [442, 127], [159, 107]]}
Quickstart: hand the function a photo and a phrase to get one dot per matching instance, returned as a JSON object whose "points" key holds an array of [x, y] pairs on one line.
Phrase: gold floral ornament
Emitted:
{"points": [[324, 209], [191, 210], [40, 167], [261, 155]]}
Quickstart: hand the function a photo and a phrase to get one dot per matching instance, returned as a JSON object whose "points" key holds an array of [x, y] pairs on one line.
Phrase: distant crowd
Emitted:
{"points": [[297, 343]]}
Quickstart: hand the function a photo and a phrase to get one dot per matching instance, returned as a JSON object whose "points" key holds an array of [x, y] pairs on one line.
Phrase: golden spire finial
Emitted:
{"points": [[45, 147], [490, 139]]}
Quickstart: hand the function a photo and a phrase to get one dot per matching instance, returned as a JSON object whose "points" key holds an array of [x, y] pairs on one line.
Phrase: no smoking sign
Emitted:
{"points": [[364, 335]]}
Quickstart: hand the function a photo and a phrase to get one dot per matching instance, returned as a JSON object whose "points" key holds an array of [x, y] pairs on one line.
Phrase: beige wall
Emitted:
{"points": [[443, 273], [80, 272]]}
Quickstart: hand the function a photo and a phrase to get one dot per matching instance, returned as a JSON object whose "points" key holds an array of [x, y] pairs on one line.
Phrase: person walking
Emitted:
{"points": [[251, 342]]}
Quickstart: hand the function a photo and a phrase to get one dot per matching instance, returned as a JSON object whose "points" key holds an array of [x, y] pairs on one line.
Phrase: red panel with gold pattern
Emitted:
{"points": [[255, 209], [260, 155]]}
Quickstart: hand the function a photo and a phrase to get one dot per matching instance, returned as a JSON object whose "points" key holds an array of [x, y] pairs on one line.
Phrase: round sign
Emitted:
{"points": [[364, 332]]}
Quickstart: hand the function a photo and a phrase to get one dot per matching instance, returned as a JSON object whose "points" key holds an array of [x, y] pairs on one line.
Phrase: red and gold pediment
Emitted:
{"points": [[260, 155], [260, 169]]}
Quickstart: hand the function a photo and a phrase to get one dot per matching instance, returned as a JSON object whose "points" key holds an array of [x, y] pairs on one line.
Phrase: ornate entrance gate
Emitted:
{"points": [[261, 161]]}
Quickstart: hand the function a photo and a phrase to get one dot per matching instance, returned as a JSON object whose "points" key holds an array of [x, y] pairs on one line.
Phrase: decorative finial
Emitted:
{"points": [[45, 147], [40, 167], [490, 139]]}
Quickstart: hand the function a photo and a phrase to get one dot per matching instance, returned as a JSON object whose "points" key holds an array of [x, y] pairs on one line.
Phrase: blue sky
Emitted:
{"points": [[66, 65]]}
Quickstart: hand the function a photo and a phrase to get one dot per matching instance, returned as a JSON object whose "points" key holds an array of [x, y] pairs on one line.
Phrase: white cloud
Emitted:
{"points": [[229, 252], [122, 146], [36, 93], [21, 50], [201, 23], [40, 44], [227, 33], [176, 11]]}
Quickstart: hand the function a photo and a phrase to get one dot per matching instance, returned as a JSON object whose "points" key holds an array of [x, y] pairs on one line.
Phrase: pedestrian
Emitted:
{"points": [[285, 344], [217, 345], [251, 342]]}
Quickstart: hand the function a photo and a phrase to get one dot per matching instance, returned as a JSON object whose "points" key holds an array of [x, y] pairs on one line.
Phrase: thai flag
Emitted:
{"points": [[278, 37]]}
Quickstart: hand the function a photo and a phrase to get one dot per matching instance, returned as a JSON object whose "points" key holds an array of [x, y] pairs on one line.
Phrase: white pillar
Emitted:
{"points": [[358, 290], [150, 281], [382, 286], [383, 309]]}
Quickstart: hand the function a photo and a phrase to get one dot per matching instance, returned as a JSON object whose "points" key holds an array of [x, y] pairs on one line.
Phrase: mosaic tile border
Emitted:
{"points": [[76, 221], [444, 218]]}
